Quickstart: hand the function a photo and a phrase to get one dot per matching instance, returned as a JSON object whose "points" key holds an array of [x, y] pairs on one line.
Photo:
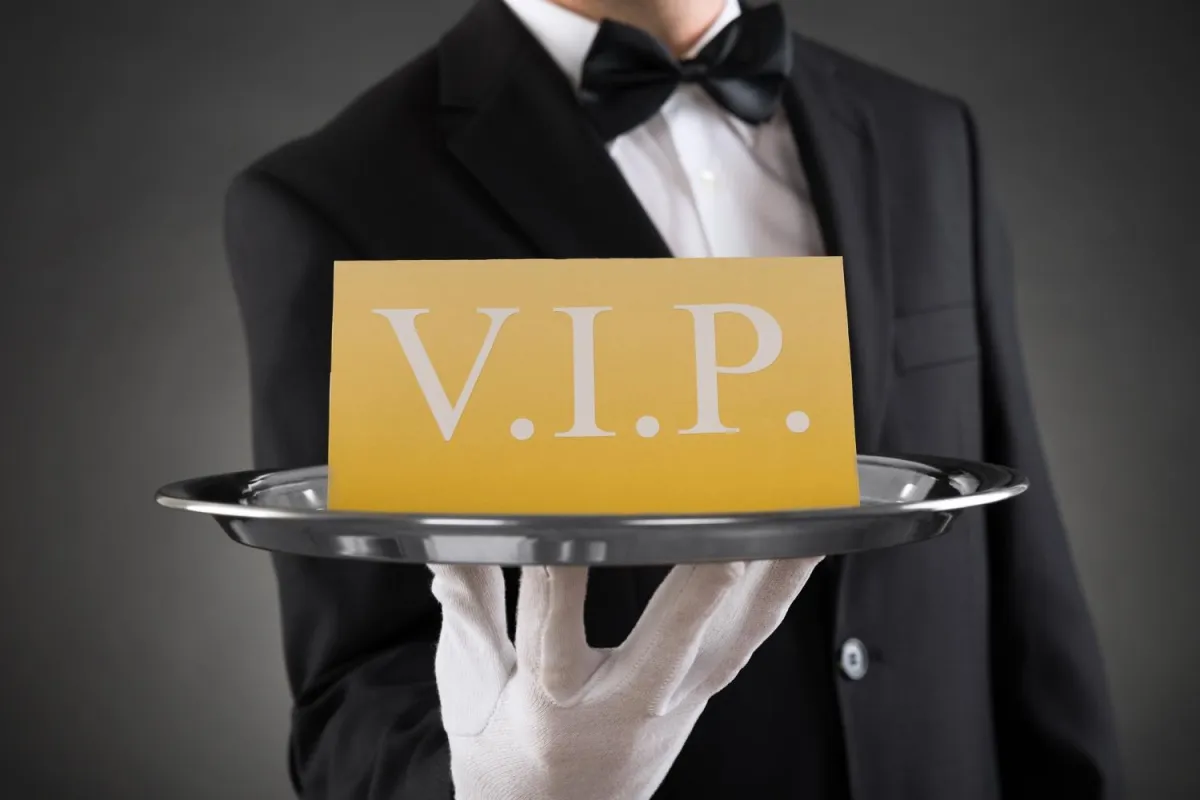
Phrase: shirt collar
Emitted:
{"points": [[567, 36]]}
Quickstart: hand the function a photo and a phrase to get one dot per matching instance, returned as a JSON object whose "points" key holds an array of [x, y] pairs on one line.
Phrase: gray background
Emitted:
{"points": [[139, 650]]}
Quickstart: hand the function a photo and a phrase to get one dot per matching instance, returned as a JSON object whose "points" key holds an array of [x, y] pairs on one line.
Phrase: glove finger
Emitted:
{"points": [[769, 591], [474, 656], [663, 645], [551, 641]]}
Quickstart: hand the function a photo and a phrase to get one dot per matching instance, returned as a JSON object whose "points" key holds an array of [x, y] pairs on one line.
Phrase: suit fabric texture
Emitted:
{"points": [[984, 676]]}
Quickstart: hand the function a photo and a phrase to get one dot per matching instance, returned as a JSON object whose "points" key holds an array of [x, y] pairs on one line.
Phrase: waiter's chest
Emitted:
{"points": [[932, 402]]}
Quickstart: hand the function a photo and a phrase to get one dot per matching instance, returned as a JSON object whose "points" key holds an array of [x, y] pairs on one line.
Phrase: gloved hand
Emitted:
{"points": [[554, 719]]}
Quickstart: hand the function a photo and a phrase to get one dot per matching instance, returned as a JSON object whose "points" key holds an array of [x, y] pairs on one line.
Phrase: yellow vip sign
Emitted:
{"points": [[591, 386]]}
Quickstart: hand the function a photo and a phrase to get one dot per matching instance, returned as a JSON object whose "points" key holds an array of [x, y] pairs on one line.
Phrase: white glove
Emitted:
{"points": [[554, 719]]}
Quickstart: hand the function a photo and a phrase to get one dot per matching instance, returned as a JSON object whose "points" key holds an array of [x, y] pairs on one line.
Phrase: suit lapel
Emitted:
{"points": [[837, 145], [513, 121]]}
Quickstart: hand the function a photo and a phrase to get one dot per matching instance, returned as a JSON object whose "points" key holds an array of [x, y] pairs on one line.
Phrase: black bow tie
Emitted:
{"points": [[628, 74]]}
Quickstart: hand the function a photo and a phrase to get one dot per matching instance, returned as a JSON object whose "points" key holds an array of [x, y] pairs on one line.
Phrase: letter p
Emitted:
{"points": [[770, 344]]}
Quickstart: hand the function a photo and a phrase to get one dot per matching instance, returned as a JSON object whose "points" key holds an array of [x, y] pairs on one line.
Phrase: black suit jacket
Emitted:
{"points": [[984, 675]]}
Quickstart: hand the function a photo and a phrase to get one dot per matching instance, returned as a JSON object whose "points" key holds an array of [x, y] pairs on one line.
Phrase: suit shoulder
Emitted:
{"points": [[887, 93], [395, 114]]}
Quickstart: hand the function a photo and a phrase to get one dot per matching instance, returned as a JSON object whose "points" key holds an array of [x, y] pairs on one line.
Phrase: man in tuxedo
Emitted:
{"points": [[964, 667]]}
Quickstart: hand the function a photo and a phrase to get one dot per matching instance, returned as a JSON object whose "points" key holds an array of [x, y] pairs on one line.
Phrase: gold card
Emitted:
{"points": [[622, 386]]}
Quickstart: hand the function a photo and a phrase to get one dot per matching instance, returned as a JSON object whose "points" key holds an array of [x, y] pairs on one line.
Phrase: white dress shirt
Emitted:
{"points": [[713, 185]]}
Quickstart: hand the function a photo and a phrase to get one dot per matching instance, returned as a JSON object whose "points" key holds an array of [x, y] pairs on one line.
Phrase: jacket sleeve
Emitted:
{"points": [[358, 637], [1055, 727]]}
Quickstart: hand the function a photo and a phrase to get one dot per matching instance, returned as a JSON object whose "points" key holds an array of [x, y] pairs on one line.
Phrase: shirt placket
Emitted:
{"points": [[689, 124]]}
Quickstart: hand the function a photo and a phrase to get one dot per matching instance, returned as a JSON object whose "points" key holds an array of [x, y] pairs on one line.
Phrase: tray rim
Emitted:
{"points": [[996, 483]]}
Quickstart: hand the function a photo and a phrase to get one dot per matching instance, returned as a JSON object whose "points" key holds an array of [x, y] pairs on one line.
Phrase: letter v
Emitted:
{"points": [[404, 323]]}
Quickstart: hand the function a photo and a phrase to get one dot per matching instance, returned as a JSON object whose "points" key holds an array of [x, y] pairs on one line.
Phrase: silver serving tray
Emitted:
{"points": [[903, 500]]}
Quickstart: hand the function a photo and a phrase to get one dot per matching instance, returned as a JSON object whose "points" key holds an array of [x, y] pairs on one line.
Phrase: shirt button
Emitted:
{"points": [[708, 176], [853, 659]]}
